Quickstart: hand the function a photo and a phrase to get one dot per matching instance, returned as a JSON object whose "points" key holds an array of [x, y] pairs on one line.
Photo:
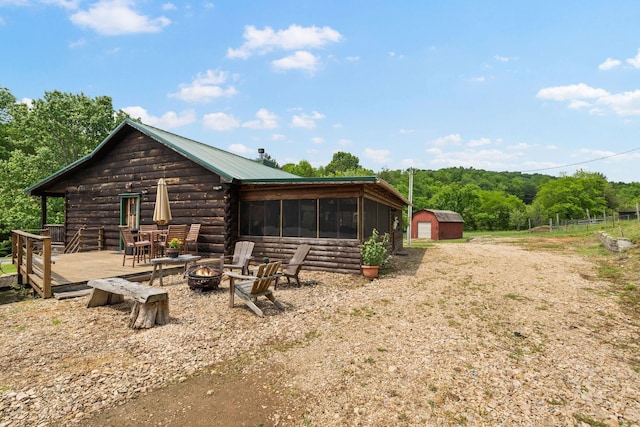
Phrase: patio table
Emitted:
{"points": [[155, 237], [159, 262]]}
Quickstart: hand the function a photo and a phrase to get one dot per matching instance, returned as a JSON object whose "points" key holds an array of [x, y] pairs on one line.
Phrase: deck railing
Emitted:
{"points": [[56, 231], [86, 239], [31, 254]]}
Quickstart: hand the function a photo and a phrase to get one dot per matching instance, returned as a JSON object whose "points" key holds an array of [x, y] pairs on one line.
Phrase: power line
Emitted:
{"points": [[584, 162]]}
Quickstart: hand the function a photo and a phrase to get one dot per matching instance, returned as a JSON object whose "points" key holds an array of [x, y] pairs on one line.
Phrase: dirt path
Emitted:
{"points": [[460, 334]]}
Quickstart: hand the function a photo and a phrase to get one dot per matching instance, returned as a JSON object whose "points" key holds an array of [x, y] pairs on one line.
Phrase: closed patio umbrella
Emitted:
{"points": [[162, 210]]}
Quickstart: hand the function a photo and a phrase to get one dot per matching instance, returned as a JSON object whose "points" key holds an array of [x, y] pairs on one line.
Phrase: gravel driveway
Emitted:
{"points": [[460, 334]]}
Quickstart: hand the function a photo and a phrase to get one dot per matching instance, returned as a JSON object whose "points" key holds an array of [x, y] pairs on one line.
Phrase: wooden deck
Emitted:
{"points": [[71, 272]]}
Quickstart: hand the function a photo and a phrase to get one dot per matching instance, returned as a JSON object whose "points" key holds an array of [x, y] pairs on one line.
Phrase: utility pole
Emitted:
{"points": [[410, 209]]}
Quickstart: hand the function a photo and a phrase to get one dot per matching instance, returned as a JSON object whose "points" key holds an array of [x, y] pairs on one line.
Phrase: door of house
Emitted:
{"points": [[424, 230], [129, 211]]}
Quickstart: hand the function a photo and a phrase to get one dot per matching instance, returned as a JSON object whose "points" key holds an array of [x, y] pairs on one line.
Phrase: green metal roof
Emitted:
{"points": [[228, 165], [224, 163]]}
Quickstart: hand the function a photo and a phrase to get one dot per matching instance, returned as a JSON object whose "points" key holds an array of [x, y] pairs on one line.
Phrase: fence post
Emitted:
{"points": [[46, 268]]}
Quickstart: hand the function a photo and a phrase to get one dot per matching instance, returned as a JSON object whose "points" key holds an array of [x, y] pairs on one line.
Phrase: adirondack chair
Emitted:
{"points": [[249, 288], [241, 257], [291, 269], [192, 238], [139, 248], [174, 231]]}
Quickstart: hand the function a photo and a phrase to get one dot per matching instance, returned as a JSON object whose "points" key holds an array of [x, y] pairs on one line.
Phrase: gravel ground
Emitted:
{"points": [[459, 334]]}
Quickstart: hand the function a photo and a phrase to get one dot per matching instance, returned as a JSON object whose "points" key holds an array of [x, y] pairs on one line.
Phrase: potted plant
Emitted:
{"points": [[173, 247], [374, 254]]}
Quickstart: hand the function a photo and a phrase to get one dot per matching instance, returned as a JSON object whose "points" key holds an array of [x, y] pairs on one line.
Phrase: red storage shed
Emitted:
{"points": [[436, 225]]}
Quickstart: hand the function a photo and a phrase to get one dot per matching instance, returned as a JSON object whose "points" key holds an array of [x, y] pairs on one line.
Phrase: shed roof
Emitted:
{"points": [[446, 216]]}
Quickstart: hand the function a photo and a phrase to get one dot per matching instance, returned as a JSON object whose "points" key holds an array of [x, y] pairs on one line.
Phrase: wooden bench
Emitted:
{"points": [[150, 307]]}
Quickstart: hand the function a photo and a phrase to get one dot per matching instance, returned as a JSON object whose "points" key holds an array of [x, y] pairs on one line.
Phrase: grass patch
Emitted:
{"points": [[363, 311], [516, 297], [588, 420]]}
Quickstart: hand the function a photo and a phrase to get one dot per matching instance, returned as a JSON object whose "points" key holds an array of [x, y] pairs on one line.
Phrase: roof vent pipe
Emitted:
{"points": [[261, 153]]}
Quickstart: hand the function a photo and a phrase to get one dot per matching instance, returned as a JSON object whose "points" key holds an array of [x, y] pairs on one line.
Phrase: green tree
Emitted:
{"points": [[464, 200], [7, 100], [496, 208], [44, 137], [303, 168], [341, 164], [569, 196], [70, 125]]}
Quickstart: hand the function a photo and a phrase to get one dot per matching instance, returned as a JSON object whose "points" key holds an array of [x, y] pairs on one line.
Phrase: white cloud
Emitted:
{"points": [[481, 159], [635, 61], [396, 55], [27, 101], [576, 91], [206, 87], [344, 142], [352, 58], [115, 17], [609, 64], [306, 121], [478, 142], [77, 43], [300, 60], [410, 163], [406, 131], [265, 120], [278, 137], [260, 42], [169, 6], [453, 139], [577, 104], [479, 79], [220, 121], [519, 146], [377, 156], [317, 140], [66, 4], [168, 120], [500, 58], [624, 104], [240, 149]]}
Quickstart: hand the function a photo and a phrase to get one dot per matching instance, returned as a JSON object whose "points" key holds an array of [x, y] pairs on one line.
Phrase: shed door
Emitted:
{"points": [[424, 230]]}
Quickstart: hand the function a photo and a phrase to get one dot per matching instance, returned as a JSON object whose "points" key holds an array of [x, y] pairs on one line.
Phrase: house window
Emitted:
{"points": [[260, 218], [376, 215], [327, 218], [300, 218], [338, 218]]}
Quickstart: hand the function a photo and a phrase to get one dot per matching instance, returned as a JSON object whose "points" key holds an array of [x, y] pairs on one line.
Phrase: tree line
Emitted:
{"points": [[47, 134]]}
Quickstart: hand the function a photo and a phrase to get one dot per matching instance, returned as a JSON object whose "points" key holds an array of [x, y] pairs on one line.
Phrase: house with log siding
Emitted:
{"points": [[232, 197]]}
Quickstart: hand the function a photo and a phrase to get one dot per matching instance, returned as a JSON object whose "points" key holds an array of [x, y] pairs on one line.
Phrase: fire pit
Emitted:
{"points": [[203, 277]]}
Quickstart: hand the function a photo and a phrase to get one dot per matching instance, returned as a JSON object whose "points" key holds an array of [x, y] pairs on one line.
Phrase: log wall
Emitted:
{"points": [[134, 166], [335, 255]]}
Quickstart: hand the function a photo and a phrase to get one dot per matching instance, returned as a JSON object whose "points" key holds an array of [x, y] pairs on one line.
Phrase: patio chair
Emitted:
{"points": [[138, 248], [241, 257], [249, 288], [291, 269], [174, 232], [192, 238]]}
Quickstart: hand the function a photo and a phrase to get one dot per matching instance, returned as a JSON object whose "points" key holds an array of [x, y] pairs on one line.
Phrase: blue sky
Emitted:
{"points": [[547, 86]]}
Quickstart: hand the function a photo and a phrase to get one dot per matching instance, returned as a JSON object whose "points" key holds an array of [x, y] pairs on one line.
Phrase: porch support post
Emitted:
{"points": [[43, 211]]}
